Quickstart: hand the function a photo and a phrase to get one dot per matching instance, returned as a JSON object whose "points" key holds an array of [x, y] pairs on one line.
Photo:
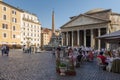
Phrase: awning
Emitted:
{"points": [[113, 35]]}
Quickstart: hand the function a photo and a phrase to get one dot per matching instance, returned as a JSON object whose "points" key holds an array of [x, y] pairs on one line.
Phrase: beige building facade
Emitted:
{"points": [[83, 30], [10, 23], [18, 27], [46, 36]]}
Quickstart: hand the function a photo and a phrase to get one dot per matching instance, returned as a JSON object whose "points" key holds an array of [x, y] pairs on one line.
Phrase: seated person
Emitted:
{"points": [[90, 56], [103, 59]]}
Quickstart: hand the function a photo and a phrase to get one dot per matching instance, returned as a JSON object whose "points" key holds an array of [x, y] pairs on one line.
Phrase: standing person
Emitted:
{"points": [[3, 49], [30, 49], [7, 50], [53, 51], [79, 59], [23, 48], [58, 52]]}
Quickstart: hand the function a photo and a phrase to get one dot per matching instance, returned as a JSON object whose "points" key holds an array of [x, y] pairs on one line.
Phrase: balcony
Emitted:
{"points": [[30, 20]]}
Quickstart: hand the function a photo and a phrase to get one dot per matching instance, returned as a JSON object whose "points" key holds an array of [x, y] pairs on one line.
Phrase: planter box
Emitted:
{"points": [[71, 73], [58, 70], [62, 71]]}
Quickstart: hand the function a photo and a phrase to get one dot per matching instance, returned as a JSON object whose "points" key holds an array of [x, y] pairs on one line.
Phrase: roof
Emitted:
{"points": [[95, 10], [87, 15], [103, 20], [11, 6], [115, 34]]}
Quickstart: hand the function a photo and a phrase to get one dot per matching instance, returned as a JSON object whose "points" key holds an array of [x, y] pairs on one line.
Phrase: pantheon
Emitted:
{"points": [[83, 29]]}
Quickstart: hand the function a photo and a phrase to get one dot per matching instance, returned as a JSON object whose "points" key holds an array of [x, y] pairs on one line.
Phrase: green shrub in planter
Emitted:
{"points": [[62, 65]]}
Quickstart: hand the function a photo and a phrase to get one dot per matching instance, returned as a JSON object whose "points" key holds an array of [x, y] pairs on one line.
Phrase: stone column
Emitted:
{"points": [[72, 38], [92, 39], [63, 39], [66, 38], [78, 43], [85, 38], [99, 39], [107, 44]]}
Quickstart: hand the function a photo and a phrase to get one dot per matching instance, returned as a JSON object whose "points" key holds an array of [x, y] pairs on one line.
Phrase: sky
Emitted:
{"points": [[63, 9]]}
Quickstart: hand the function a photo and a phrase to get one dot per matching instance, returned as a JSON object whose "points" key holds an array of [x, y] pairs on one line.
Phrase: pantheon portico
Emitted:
{"points": [[83, 30]]}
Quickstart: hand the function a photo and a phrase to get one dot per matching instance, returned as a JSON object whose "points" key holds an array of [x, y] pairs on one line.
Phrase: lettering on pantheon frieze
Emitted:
{"points": [[85, 27]]}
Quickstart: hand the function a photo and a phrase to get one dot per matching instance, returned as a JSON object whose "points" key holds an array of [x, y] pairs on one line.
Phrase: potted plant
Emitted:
{"points": [[62, 68], [71, 70]]}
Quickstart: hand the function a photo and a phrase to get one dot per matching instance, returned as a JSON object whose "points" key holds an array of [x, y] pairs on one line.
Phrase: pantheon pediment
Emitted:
{"points": [[82, 20]]}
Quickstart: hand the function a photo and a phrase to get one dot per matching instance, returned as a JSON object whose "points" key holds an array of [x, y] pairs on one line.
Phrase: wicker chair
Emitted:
{"points": [[116, 66]]}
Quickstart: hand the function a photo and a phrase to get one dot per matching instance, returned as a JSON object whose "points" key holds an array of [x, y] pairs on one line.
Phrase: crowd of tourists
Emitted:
{"points": [[80, 54], [108, 57], [77, 54]]}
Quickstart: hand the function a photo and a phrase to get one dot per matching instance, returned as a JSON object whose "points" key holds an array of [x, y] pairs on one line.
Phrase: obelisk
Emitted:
{"points": [[53, 23], [53, 37]]}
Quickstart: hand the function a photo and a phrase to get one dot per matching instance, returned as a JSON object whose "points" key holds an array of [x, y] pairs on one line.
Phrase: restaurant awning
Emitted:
{"points": [[113, 35]]}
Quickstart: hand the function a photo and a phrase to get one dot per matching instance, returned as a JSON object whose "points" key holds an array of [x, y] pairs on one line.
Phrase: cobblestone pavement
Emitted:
{"points": [[41, 66]]}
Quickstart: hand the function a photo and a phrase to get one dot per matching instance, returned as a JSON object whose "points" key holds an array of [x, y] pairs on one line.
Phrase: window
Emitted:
{"points": [[24, 34], [4, 35], [13, 12], [14, 36], [13, 28], [14, 20], [24, 24], [31, 26], [4, 17], [4, 8], [28, 17], [4, 26], [28, 24]]}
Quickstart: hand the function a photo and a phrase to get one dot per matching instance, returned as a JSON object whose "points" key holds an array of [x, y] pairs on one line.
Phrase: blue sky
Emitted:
{"points": [[63, 8]]}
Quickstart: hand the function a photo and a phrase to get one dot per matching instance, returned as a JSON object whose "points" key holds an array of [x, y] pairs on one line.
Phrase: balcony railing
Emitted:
{"points": [[30, 20]]}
